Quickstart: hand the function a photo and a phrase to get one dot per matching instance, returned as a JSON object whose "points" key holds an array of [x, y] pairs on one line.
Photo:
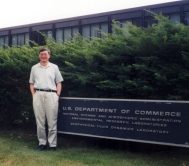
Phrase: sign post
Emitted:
{"points": [[148, 121]]}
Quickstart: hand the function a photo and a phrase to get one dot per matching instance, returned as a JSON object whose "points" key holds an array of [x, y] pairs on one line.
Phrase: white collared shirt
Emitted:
{"points": [[45, 77]]}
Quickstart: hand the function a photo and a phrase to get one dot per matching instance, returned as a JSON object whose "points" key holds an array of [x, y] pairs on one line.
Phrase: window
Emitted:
{"points": [[186, 18], [6, 38], [4, 41], [14, 40], [86, 31], [93, 30], [65, 34], [124, 22], [20, 39], [39, 38], [149, 21], [1, 41], [49, 35], [137, 22], [75, 31], [134, 21], [27, 38], [59, 36], [175, 18], [104, 28]]}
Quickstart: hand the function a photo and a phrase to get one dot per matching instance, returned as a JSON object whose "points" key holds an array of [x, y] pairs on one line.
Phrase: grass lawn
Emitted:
{"points": [[18, 148]]}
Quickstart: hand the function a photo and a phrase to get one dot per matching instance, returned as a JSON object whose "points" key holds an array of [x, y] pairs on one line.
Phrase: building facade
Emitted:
{"points": [[64, 29]]}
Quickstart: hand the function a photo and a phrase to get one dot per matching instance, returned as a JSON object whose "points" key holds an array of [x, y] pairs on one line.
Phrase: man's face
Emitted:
{"points": [[44, 56]]}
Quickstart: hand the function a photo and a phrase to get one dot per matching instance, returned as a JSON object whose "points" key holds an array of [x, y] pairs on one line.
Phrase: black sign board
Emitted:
{"points": [[148, 121]]}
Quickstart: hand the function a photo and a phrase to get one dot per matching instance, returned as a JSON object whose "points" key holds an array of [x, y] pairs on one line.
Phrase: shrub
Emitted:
{"points": [[132, 63]]}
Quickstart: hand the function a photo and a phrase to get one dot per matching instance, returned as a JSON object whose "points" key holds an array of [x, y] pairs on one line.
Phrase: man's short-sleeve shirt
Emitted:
{"points": [[45, 77]]}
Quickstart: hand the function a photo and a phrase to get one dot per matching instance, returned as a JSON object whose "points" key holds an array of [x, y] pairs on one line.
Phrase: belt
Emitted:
{"points": [[46, 90]]}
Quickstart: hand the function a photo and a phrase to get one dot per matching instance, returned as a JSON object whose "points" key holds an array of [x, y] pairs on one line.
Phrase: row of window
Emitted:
{"points": [[20, 39], [65, 34]]}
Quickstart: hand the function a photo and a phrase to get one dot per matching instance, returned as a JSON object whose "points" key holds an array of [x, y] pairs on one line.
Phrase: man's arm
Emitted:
{"points": [[59, 88], [32, 89]]}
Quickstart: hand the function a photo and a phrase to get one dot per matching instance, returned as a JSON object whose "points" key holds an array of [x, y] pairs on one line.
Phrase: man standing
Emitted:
{"points": [[45, 86]]}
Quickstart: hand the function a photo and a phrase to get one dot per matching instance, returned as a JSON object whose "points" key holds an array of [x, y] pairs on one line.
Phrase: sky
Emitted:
{"points": [[22, 12]]}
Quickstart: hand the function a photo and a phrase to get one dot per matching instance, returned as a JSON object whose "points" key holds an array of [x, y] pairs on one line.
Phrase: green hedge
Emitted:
{"points": [[131, 63], [15, 98]]}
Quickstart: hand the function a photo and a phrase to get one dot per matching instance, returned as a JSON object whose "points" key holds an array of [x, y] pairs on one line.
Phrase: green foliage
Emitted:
{"points": [[132, 63], [15, 98]]}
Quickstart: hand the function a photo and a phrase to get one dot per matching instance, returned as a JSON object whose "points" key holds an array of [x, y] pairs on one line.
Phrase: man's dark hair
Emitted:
{"points": [[45, 49]]}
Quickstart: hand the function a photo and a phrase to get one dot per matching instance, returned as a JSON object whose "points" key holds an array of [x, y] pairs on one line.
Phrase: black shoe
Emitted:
{"points": [[41, 147], [52, 148]]}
